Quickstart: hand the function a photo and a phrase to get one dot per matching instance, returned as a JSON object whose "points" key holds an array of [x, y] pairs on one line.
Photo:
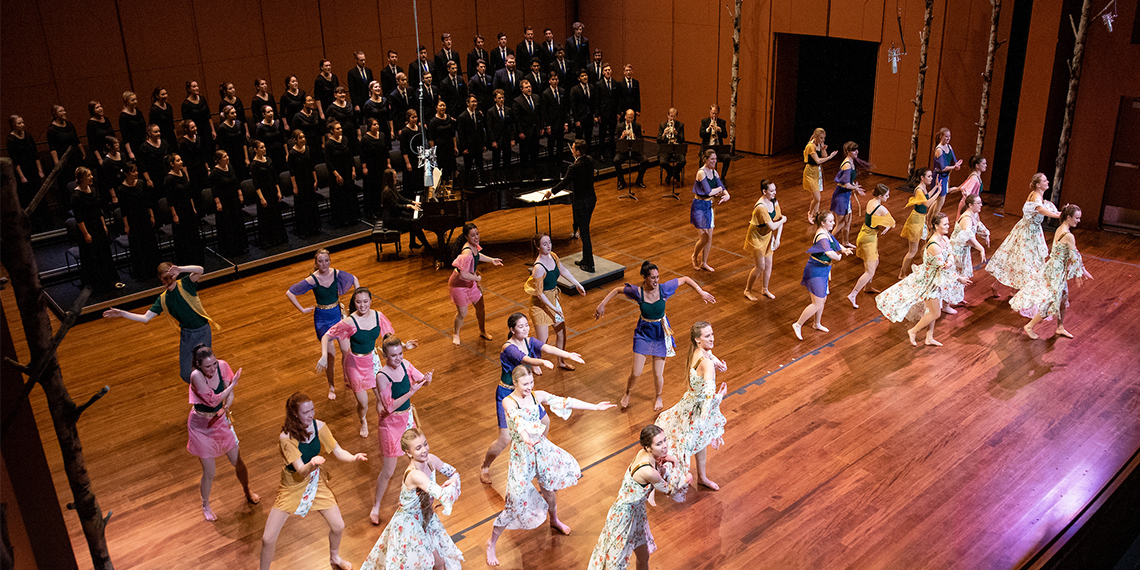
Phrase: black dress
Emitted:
{"points": [[133, 130], [414, 177], [97, 134], [135, 205], [376, 110], [232, 140], [274, 139], [257, 108], [374, 156], [164, 118], [314, 129], [270, 227], [200, 113], [306, 215], [238, 106], [196, 161], [152, 161], [343, 206], [24, 154], [324, 90], [96, 266], [187, 237], [291, 105], [443, 136], [60, 139], [110, 176], [231, 220], [347, 118]]}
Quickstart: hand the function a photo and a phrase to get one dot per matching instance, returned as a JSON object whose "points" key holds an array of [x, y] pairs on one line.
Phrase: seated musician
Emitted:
{"points": [[714, 133], [397, 213], [629, 129], [671, 131]]}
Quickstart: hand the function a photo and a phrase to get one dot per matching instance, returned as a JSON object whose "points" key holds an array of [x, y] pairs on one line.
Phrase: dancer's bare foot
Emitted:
{"points": [[566, 365], [1061, 331], [658, 405], [751, 297], [374, 516], [210, 516], [851, 298], [994, 290], [625, 401], [931, 342], [332, 393], [768, 294], [949, 310], [696, 264], [913, 341], [796, 328], [872, 291], [559, 526], [850, 245], [706, 267], [820, 327], [485, 475], [486, 335], [252, 498], [1029, 332], [706, 482], [364, 428], [492, 560], [455, 339], [338, 562]]}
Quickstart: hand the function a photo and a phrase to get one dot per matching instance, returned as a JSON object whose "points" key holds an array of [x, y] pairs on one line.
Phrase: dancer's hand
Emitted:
{"points": [[601, 310], [964, 280], [317, 460], [603, 406], [360, 457], [412, 343], [322, 364], [719, 365], [576, 358], [723, 389], [306, 310], [496, 262], [707, 297], [548, 364], [581, 289]]}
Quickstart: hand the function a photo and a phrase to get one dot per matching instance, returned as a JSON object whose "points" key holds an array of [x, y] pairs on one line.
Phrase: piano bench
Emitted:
{"points": [[381, 236]]}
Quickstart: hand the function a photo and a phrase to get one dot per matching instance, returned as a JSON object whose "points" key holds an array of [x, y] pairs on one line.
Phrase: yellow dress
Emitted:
{"points": [[915, 224], [867, 244], [813, 173], [540, 314], [293, 484], [760, 234]]}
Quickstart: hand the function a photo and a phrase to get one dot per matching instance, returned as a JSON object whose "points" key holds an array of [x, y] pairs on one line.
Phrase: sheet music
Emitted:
{"points": [[540, 195]]}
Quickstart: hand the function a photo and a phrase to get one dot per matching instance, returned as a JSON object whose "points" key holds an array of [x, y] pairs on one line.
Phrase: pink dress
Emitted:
{"points": [[211, 434], [464, 292], [395, 421], [359, 367]]}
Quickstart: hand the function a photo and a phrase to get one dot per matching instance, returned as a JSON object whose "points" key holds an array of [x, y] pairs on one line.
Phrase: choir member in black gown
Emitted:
{"points": [[152, 162], [96, 266], [309, 121], [162, 114], [98, 129], [230, 220], [442, 131], [132, 124], [412, 139], [111, 171], [29, 169], [194, 156], [374, 149], [376, 107], [270, 227], [341, 110], [269, 131], [303, 173], [231, 138], [195, 108], [343, 206], [398, 213], [324, 87], [137, 209], [261, 99], [61, 135], [229, 97], [292, 101], [183, 213]]}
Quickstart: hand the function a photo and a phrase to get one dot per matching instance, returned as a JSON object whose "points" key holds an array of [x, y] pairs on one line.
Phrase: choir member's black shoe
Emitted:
{"points": [[621, 185], [414, 245], [641, 185]]}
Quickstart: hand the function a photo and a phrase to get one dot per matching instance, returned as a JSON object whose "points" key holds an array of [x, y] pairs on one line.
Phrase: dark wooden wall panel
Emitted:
{"points": [[542, 14], [857, 20], [398, 31], [808, 17], [504, 16], [159, 35], [350, 26]]}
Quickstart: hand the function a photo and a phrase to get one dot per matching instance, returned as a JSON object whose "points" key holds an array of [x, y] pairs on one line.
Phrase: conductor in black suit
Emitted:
{"points": [[581, 176], [671, 131], [358, 79], [713, 132], [630, 130]]}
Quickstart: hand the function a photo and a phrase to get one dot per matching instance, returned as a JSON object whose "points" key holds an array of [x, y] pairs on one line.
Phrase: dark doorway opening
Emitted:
{"points": [[835, 90]]}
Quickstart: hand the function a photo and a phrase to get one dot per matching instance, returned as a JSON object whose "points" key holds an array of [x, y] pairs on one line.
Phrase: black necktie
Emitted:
{"points": [[629, 84], [501, 116], [529, 102]]}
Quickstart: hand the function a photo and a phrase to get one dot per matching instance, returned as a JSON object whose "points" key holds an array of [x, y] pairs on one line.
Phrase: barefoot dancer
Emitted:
{"points": [[914, 228], [652, 337], [813, 171], [707, 187], [533, 456], [817, 272], [542, 286], [327, 285], [876, 218], [845, 187], [767, 219], [1021, 256], [1047, 296], [212, 435], [965, 238], [465, 283]]}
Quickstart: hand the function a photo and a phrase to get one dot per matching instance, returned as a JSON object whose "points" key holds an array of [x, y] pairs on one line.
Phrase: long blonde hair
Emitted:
{"points": [[694, 336], [319, 253]]}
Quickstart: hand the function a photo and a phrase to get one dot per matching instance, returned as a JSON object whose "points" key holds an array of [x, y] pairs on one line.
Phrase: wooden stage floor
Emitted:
{"points": [[848, 450]]}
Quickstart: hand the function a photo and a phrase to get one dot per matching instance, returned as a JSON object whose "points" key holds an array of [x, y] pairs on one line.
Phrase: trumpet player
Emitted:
{"points": [[629, 129], [671, 131]]}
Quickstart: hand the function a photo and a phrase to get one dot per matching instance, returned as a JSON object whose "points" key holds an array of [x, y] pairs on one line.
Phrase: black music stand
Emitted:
{"points": [[539, 196], [672, 153], [625, 149]]}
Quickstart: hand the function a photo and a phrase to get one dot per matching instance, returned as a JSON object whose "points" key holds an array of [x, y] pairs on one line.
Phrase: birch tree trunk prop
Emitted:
{"points": [[16, 252], [918, 110], [735, 76], [988, 76], [1070, 100]]}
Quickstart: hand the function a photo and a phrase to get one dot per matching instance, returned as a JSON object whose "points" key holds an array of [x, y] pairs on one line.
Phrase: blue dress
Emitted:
{"points": [[701, 214], [841, 198], [942, 176], [327, 312], [817, 272], [652, 336], [510, 358]]}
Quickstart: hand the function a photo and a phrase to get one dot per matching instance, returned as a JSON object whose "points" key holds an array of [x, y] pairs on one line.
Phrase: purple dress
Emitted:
{"points": [[652, 336], [942, 174], [327, 312], [841, 198], [510, 358], [817, 272], [701, 213]]}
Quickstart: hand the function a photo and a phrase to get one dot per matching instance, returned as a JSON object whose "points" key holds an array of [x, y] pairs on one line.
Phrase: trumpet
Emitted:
{"points": [[670, 131]]}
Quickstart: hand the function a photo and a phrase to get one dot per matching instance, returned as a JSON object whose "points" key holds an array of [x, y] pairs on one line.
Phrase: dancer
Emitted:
{"points": [[533, 456], [760, 241], [1021, 257], [965, 238], [184, 309], [362, 327], [212, 435], [652, 337], [972, 186], [1047, 295], [707, 186], [914, 228], [466, 283], [695, 422], [627, 523], [519, 350], [327, 285], [920, 296], [944, 162], [876, 220], [813, 171], [415, 538], [817, 271], [304, 484], [844, 186], [542, 286], [394, 405]]}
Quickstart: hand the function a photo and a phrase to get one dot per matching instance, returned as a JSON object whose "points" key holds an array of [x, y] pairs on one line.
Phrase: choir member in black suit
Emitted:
{"points": [[527, 48], [61, 135], [303, 174], [477, 53], [152, 161], [29, 169], [195, 108], [412, 142], [377, 107], [671, 131], [561, 67], [358, 79], [580, 176], [536, 77], [132, 124], [183, 212], [137, 209], [390, 71], [595, 66], [270, 132], [714, 132], [499, 54], [399, 101], [260, 100], [228, 98], [546, 49], [607, 110], [582, 109], [292, 101], [342, 111], [555, 117], [500, 128], [270, 226], [232, 139], [528, 123], [373, 160], [96, 266], [162, 114], [194, 157], [508, 79], [445, 55], [481, 85], [629, 129], [344, 209], [428, 94], [324, 87], [472, 135], [230, 220], [418, 68], [578, 48], [98, 129], [308, 121], [442, 131], [629, 91], [453, 90]]}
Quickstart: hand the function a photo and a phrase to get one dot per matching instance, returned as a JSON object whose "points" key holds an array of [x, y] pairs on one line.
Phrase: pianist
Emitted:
{"points": [[397, 213]]}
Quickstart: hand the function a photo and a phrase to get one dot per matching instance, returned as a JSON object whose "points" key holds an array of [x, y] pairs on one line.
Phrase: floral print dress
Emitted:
{"points": [[415, 533], [554, 468], [1021, 256], [1045, 293], [627, 525], [962, 251], [935, 279], [695, 422]]}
